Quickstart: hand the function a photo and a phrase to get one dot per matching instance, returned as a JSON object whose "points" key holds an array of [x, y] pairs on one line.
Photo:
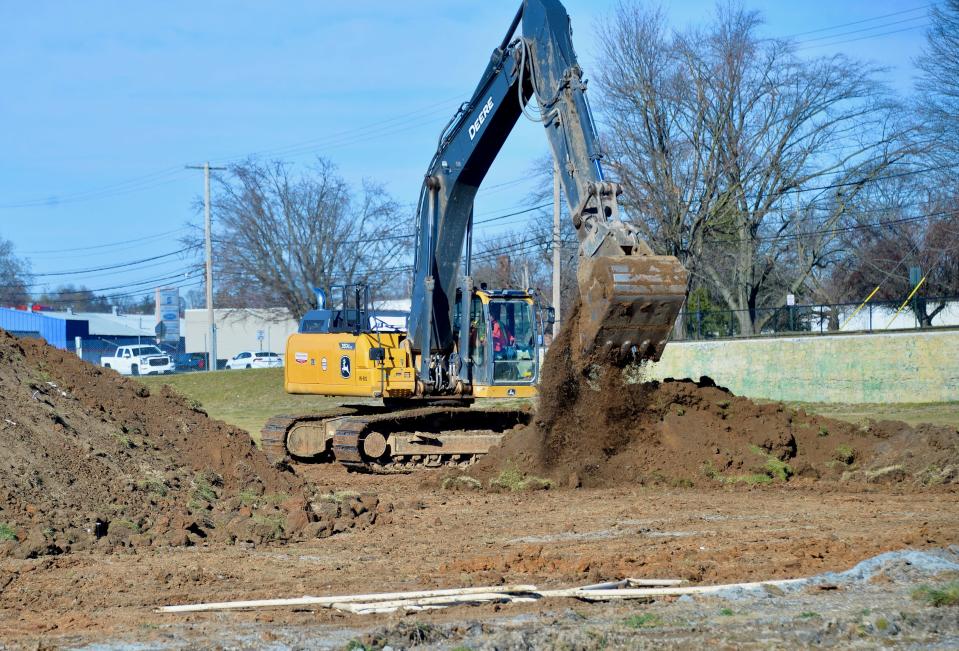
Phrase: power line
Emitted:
{"points": [[121, 265], [135, 184], [864, 29], [862, 38], [109, 244], [860, 22]]}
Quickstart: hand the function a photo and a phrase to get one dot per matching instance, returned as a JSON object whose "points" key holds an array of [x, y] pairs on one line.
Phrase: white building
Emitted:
{"points": [[238, 330]]}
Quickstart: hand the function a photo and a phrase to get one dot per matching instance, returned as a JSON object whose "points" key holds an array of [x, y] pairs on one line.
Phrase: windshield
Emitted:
{"points": [[513, 336], [146, 350]]}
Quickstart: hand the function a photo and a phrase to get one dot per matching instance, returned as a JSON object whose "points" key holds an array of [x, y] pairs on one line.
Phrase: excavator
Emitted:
{"points": [[427, 372]]}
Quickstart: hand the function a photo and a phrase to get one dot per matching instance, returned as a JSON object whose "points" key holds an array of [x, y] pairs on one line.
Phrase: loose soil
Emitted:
{"points": [[194, 512], [605, 427], [444, 539], [92, 459]]}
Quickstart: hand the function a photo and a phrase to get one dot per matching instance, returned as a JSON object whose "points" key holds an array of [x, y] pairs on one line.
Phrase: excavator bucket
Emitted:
{"points": [[628, 305]]}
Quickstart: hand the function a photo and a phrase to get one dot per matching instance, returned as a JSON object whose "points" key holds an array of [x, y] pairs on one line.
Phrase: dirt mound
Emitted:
{"points": [[92, 459], [608, 427]]}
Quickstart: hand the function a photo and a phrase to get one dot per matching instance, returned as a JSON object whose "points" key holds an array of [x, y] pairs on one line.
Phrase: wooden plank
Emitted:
{"points": [[329, 601], [446, 601]]}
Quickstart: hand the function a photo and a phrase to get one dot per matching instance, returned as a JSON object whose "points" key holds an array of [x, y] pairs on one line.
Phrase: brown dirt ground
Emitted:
{"points": [[80, 447], [449, 539]]}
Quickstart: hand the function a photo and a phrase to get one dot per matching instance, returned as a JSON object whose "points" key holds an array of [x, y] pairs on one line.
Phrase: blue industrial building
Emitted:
{"points": [[56, 332], [99, 334]]}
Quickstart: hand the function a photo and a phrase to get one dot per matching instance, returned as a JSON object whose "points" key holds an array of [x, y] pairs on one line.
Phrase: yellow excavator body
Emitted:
{"points": [[341, 364]]}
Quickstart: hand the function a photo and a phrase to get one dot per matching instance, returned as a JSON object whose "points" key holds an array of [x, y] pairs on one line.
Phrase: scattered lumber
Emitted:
{"points": [[388, 602], [330, 601]]}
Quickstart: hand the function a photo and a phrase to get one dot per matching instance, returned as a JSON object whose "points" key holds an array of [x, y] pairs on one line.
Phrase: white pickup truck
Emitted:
{"points": [[139, 360]]}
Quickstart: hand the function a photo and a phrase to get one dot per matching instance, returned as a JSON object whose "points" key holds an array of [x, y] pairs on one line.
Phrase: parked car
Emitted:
{"points": [[191, 362], [139, 360], [255, 359]]}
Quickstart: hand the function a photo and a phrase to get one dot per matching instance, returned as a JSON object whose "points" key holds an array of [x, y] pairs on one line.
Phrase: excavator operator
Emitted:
{"points": [[502, 337]]}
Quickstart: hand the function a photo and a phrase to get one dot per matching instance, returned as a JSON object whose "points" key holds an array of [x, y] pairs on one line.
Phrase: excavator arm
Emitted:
{"points": [[629, 297]]}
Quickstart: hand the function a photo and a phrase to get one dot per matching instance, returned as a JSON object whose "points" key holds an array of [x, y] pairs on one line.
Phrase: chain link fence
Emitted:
{"points": [[716, 323]]}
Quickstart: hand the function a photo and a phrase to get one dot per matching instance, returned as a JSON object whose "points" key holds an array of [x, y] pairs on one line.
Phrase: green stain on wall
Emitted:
{"points": [[910, 366]]}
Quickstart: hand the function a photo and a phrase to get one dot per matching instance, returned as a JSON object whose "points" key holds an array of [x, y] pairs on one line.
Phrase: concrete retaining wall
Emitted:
{"points": [[888, 367]]}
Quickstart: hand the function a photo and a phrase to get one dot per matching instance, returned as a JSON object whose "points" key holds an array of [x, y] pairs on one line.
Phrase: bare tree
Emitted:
{"points": [[75, 297], [736, 155], [912, 235], [939, 81], [281, 235], [14, 276]]}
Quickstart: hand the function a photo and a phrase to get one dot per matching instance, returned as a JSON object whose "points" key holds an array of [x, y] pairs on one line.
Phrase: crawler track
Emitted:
{"points": [[371, 439]]}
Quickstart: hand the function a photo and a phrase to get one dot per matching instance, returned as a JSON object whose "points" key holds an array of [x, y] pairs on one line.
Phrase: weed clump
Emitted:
{"points": [[462, 482], [646, 620], [844, 454], [946, 595], [512, 480], [7, 532]]}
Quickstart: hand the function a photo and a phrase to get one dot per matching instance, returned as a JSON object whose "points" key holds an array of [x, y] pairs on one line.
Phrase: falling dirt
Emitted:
{"points": [[603, 426], [90, 459]]}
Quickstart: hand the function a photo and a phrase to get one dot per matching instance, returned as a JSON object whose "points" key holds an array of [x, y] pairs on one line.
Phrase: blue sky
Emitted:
{"points": [[105, 102]]}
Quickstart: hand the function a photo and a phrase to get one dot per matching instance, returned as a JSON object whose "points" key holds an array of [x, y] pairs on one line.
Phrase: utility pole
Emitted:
{"points": [[557, 245], [208, 228]]}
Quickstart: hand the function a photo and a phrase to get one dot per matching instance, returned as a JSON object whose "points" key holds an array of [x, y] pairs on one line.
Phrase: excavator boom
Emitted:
{"points": [[630, 297]]}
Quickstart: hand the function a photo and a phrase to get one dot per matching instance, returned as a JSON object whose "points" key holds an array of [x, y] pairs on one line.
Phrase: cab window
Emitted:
{"points": [[512, 338]]}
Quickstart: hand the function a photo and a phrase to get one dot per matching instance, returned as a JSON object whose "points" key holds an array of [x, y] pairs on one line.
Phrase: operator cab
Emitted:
{"points": [[355, 315], [503, 337]]}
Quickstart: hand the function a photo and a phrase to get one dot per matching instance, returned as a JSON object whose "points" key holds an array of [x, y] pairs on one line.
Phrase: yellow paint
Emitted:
{"points": [[859, 309], [314, 365], [339, 364], [906, 302], [498, 391]]}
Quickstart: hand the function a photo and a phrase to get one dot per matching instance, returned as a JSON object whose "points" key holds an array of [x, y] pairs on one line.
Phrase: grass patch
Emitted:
{"points": [[462, 482], [246, 399], [126, 524], [823, 432], [511, 479], [726, 612], [646, 620], [809, 614], [153, 485], [248, 497], [937, 413], [844, 454], [777, 469], [7, 532], [946, 595], [338, 497], [124, 441], [772, 467], [204, 492]]}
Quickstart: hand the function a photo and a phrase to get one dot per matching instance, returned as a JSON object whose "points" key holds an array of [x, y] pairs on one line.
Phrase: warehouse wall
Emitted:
{"points": [[237, 330], [888, 367]]}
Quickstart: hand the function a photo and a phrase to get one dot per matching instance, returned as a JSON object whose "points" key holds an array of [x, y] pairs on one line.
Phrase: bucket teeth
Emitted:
{"points": [[628, 306]]}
